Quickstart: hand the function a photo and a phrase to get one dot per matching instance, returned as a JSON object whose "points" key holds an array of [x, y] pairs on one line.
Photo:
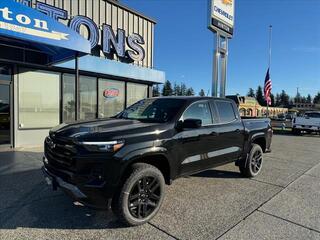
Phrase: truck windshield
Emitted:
{"points": [[153, 110], [313, 115]]}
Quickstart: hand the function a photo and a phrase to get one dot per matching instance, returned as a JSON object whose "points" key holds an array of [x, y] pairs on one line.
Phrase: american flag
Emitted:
{"points": [[267, 88]]}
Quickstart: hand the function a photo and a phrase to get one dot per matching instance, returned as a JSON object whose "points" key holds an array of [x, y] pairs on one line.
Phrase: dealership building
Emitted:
{"points": [[50, 74]]}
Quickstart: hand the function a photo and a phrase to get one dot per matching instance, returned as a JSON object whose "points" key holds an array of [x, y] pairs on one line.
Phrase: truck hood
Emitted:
{"points": [[100, 129]]}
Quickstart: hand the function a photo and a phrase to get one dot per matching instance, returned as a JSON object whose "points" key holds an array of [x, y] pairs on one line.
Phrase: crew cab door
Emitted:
{"points": [[230, 132], [194, 144]]}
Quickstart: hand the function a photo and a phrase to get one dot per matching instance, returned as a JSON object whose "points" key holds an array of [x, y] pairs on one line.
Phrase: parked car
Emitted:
{"points": [[281, 117], [125, 161], [309, 122]]}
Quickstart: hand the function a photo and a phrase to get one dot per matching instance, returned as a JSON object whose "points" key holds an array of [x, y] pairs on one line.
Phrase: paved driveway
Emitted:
{"points": [[282, 203]]}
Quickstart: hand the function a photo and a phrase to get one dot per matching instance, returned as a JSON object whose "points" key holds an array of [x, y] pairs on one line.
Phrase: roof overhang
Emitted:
{"points": [[37, 30], [113, 68]]}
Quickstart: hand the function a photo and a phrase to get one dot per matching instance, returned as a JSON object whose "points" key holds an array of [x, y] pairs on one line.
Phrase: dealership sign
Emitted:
{"points": [[221, 16], [22, 23], [125, 47], [111, 93]]}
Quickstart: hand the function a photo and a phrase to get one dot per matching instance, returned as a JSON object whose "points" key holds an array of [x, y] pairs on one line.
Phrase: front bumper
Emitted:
{"points": [[94, 195], [56, 182], [307, 128]]}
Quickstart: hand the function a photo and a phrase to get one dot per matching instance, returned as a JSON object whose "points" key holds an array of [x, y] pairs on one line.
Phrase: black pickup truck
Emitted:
{"points": [[125, 161]]}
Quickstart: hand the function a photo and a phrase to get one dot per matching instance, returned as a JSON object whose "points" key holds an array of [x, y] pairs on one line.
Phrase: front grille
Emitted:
{"points": [[59, 153]]}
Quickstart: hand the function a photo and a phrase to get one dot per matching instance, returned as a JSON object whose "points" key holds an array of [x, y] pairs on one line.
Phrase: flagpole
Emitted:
{"points": [[269, 65], [270, 40]]}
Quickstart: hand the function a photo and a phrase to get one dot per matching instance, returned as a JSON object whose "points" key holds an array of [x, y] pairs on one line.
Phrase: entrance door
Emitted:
{"points": [[5, 133], [5, 109]]}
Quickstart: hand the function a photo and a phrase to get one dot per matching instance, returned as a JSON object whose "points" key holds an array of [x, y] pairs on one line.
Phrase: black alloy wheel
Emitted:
{"points": [[252, 165], [256, 162], [141, 195], [144, 197]]}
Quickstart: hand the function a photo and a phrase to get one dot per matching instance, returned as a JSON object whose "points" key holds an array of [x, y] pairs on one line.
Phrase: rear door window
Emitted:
{"points": [[225, 111]]}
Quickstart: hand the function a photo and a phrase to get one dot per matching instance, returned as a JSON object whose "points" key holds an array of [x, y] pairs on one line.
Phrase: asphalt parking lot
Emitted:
{"points": [[281, 203]]}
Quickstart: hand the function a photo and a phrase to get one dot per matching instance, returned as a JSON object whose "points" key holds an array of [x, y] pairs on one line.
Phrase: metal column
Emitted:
{"points": [[215, 74], [220, 61], [77, 89]]}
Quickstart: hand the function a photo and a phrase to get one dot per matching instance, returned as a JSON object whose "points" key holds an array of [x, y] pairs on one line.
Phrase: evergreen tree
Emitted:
{"points": [[190, 92], [309, 99], [156, 91], [183, 89], [278, 100], [250, 93], [291, 103], [167, 89], [316, 99], [260, 97], [176, 90], [297, 98], [284, 99], [202, 93], [272, 100]]}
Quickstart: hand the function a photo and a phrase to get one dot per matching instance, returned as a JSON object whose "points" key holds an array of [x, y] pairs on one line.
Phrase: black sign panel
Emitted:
{"points": [[220, 25]]}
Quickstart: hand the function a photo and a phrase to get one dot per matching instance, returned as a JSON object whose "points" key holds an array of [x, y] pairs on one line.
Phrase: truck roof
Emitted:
{"points": [[312, 112], [192, 98]]}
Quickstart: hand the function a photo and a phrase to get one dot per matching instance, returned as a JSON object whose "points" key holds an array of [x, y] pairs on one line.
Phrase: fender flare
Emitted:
{"points": [[144, 153]]}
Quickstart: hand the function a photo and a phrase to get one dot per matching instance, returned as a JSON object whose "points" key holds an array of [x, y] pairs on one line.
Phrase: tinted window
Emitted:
{"points": [[136, 92], [5, 73], [225, 110], [153, 110], [69, 95], [88, 98], [38, 99], [313, 115], [199, 110], [111, 97]]}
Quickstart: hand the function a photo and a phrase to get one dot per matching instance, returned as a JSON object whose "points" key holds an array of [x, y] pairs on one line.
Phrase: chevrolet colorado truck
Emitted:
{"points": [[125, 161]]}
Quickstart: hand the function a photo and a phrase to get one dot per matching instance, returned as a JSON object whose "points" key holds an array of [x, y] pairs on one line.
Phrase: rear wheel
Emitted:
{"points": [[296, 131], [141, 196], [252, 166]]}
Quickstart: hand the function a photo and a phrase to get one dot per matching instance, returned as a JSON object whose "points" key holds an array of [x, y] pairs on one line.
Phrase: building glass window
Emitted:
{"points": [[68, 104], [111, 97], [88, 98], [38, 99], [5, 73], [136, 92]]}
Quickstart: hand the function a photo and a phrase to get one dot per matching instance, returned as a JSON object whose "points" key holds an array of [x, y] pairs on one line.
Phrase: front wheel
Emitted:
{"points": [[141, 195], [252, 166]]}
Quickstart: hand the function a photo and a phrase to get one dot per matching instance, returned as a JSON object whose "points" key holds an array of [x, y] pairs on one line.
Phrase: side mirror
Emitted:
{"points": [[192, 123]]}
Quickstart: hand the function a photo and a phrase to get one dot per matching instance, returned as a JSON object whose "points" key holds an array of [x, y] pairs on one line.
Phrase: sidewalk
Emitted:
{"points": [[293, 213]]}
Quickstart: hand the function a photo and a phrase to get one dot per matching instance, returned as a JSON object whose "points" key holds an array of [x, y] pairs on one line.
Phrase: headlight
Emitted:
{"points": [[111, 146]]}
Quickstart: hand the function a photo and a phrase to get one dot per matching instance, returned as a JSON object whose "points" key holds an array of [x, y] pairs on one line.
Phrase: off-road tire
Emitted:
{"points": [[296, 131], [249, 166], [121, 204]]}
